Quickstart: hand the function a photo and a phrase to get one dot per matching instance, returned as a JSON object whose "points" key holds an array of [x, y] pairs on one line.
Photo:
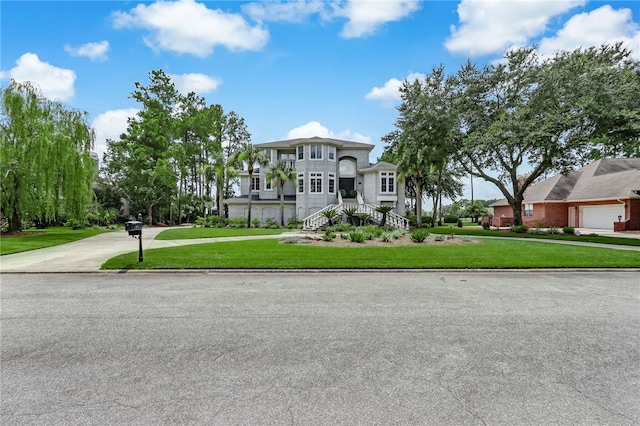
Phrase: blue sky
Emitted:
{"points": [[291, 69]]}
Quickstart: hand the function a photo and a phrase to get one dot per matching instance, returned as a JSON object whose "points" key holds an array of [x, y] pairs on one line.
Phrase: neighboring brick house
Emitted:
{"points": [[602, 195], [331, 174]]}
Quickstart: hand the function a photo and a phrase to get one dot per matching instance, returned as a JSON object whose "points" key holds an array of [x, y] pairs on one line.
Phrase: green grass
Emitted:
{"points": [[191, 233], [270, 254], [507, 234], [32, 239]]}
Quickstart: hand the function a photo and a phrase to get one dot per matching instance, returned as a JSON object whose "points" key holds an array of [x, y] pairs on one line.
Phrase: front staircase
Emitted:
{"points": [[318, 219]]}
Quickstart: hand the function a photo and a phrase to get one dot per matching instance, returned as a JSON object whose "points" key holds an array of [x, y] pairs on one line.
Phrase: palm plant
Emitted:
{"points": [[385, 211], [351, 212], [282, 173], [252, 155], [330, 215]]}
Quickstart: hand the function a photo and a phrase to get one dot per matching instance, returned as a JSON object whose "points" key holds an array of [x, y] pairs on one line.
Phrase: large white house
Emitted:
{"points": [[330, 174]]}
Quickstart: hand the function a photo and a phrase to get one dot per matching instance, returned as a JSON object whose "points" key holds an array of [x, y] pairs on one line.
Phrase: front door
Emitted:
{"points": [[348, 184]]}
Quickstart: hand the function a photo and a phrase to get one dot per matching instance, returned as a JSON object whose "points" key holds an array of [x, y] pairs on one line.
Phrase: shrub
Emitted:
{"points": [[200, 221], [237, 222], [450, 218], [343, 227], [74, 224], [357, 236], [386, 237], [328, 236], [519, 229], [439, 238], [270, 223], [419, 235], [554, 231], [413, 222], [255, 222], [294, 223], [486, 226], [460, 225], [569, 230], [397, 233], [373, 230]]}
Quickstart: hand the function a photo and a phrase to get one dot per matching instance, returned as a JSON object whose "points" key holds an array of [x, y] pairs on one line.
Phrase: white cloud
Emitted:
{"points": [[110, 125], [55, 83], [185, 26], [391, 89], [365, 17], [197, 83], [291, 11], [96, 51], [314, 128], [492, 26], [600, 26]]}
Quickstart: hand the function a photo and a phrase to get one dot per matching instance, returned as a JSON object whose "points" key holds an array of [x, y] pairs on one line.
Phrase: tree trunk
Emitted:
{"points": [[418, 201], [517, 209], [282, 205], [150, 214]]}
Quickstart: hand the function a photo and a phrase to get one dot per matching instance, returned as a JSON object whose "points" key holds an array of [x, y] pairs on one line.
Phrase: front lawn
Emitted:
{"points": [[446, 230], [191, 233], [31, 239], [271, 254]]}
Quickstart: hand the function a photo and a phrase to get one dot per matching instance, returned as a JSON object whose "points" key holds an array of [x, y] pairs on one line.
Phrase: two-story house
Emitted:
{"points": [[330, 174]]}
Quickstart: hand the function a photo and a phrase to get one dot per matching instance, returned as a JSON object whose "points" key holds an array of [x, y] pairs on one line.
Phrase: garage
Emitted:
{"points": [[601, 217]]}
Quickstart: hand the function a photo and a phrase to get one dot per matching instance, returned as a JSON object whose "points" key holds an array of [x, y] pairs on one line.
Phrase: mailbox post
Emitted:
{"points": [[134, 228]]}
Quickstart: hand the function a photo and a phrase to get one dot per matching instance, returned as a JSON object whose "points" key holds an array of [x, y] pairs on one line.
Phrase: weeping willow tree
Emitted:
{"points": [[45, 160]]}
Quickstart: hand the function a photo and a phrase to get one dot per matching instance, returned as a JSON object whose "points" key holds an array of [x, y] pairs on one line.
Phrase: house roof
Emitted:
{"points": [[381, 165], [291, 143], [605, 179]]}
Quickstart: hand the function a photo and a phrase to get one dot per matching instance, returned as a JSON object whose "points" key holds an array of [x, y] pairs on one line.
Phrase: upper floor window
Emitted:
{"points": [[331, 153], [315, 152], [268, 186], [315, 182], [267, 153], [347, 168], [301, 152], [388, 182], [255, 183], [300, 183]]}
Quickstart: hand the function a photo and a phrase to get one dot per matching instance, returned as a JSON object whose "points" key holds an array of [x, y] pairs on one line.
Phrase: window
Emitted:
{"points": [[301, 152], [528, 210], [300, 183], [388, 182], [255, 183], [347, 168], [267, 153], [315, 182], [315, 152], [332, 183], [268, 185], [331, 153]]}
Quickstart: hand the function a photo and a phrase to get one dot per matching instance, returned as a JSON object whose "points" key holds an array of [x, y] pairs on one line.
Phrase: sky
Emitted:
{"points": [[289, 68]]}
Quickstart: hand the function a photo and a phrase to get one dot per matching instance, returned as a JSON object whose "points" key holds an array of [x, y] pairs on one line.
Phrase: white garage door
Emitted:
{"points": [[601, 217]]}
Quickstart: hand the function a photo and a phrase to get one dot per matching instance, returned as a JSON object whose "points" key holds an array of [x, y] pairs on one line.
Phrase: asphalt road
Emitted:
{"points": [[438, 348]]}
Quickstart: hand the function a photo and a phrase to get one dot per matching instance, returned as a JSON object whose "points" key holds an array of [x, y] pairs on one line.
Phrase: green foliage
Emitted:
{"points": [[294, 223], [384, 210], [342, 227], [460, 224], [419, 235], [386, 237], [281, 173], [252, 155], [45, 161], [568, 230], [450, 218], [330, 215], [328, 236], [255, 222], [75, 224], [270, 223], [486, 225], [426, 221], [519, 229], [554, 231], [237, 222], [357, 236]]}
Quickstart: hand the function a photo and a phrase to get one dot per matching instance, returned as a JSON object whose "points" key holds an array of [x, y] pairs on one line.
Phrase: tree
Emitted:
{"points": [[139, 160], [252, 155], [475, 210], [426, 129], [281, 173], [45, 161], [535, 115]]}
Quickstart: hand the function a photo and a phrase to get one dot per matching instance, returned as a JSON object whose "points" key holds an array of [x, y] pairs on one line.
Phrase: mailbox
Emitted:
{"points": [[133, 227]]}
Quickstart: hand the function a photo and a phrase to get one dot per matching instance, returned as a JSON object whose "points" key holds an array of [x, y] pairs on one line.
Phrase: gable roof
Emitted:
{"points": [[380, 165], [605, 179], [291, 143]]}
